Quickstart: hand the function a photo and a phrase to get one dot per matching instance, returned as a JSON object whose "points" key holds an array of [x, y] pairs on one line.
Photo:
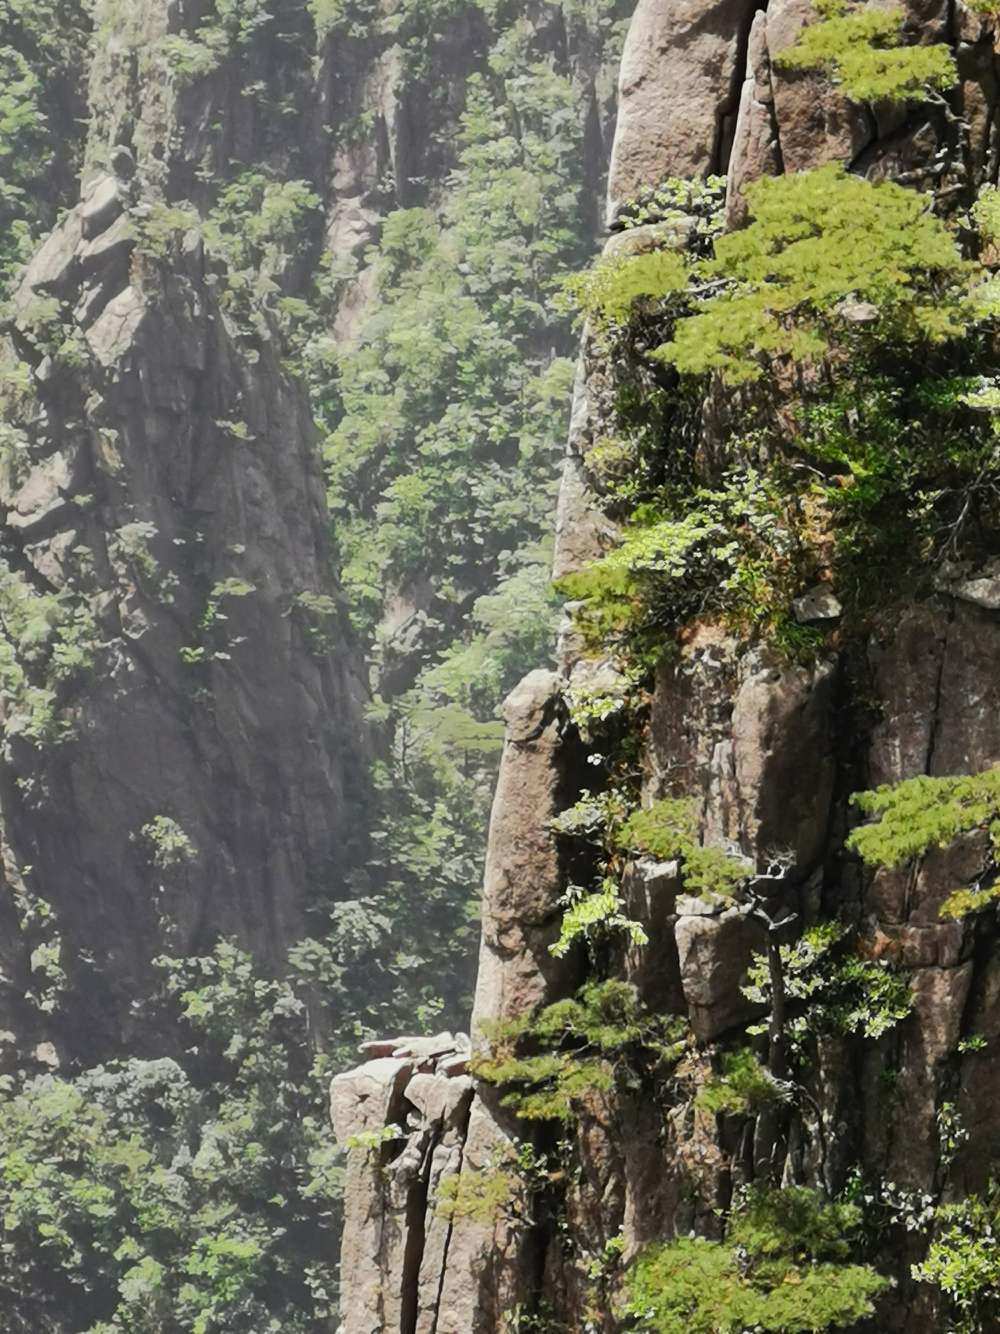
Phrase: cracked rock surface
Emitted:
{"points": [[771, 754]]}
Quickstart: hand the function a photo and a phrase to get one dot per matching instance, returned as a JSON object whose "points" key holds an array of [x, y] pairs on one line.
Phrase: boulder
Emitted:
{"points": [[369, 1097], [714, 953], [818, 604], [678, 90], [102, 204]]}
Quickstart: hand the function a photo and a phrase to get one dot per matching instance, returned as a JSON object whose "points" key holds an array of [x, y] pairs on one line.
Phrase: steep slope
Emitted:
{"points": [[174, 744], [180, 658], [524, 1222]]}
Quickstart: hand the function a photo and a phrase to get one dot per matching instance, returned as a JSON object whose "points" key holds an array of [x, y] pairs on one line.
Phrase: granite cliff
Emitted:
{"points": [[184, 730], [771, 750]]}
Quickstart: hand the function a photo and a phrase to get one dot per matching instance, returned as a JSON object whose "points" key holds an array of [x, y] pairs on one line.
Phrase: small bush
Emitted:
{"points": [[862, 50]]}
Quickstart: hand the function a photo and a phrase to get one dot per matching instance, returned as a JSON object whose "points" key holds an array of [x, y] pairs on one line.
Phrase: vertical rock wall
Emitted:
{"points": [[772, 753], [164, 512]]}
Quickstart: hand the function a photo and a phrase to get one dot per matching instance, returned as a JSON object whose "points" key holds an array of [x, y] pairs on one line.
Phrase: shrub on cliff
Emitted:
{"points": [[782, 1269], [923, 813], [866, 450], [863, 50]]}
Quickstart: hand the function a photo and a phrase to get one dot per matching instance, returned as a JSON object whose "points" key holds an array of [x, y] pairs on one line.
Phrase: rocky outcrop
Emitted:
{"points": [[524, 881], [165, 519], [677, 93], [417, 1255]]}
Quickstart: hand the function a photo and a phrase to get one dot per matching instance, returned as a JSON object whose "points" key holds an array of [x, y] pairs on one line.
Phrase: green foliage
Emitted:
{"points": [[974, 1042], [680, 203], [862, 50], [481, 1196], [608, 292], [42, 93], [46, 640], [737, 549], [668, 831], [922, 813], [834, 988], [590, 915], [964, 1261], [189, 58], [370, 1140], [571, 1050], [781, 1269], [859, 475], [195, 1193], [167, 843], [798, 1222], [820, 243], [593, 916], [986, 213], [635, 282], [952, 1132], [742, 1088], [591, 706], [163, 227], [258, 222]]}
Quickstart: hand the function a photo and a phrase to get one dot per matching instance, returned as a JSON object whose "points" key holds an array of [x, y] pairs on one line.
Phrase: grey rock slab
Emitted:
{"points": [[983, 590], [439, 1098], [112, 246], [101, 207], [53, 265], [714, 954], [426, 1048], [452, 1067], [819, 603], [41, 492], [110, 337], [369, 1097]]}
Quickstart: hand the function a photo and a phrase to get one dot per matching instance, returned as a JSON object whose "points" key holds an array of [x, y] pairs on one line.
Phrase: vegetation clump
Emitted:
{"points": [[552, 1061], [822, 245], [830, 987], [850, 471], [864, 52], [923, 813], [199, 1192], [743, 1087], [668, 830], [783, 1267], [964, 1261]]}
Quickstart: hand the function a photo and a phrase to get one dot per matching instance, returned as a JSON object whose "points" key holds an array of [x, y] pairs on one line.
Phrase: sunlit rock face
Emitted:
{"points": [[771, 754]]}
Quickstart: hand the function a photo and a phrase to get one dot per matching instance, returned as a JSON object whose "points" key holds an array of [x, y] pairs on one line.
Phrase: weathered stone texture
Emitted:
{"points": [[771, 752], [677, 93], [520, 913], [165, 461]]}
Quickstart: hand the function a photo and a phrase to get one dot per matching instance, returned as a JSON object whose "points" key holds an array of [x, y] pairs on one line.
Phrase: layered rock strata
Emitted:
{"points": [[772, 753]]}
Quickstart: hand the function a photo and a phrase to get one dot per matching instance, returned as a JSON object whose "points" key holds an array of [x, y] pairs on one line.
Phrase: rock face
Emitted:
{"points": [[771, 753], [678, 91], [164, 517]]}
